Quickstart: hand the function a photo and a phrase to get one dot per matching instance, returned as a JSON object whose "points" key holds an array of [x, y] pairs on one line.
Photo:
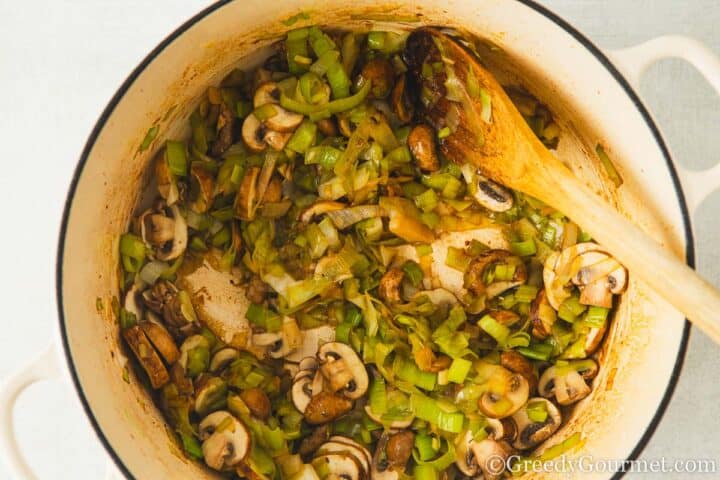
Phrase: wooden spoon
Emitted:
{"points": [[506, 150]]}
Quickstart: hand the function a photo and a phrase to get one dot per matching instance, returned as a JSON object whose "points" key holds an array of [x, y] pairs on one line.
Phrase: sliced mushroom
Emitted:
{"points": [[223, 358], [266, 93], [380, 72], [282, 343], [147, 356], [589, 266], [531, 434], [180, 237], [473, 457], [253, 133], [501, 429], [339, 466], [501, 404], [327, 127], [421, 141], [516, 363], [258, 402], [191, 343], [157, 228], [301, 392], [474, 279], [593, 339], [343, 362], [399, 448], [346, 446], [492, 196], [567, 383], [403, 107], [226, 441], [488, 454], [326, 407], [283, 121], [389, 288], [161, 340], [542, 315], [210, 395]]}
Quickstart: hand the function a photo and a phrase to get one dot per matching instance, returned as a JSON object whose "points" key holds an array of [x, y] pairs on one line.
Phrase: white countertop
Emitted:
{"points": [[61, 61]]}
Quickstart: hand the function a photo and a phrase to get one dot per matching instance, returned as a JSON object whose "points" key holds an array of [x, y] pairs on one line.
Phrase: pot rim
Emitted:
{"points": [[557, 20]]}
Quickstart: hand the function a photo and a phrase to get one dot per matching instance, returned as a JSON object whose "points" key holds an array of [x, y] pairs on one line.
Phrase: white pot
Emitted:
{"points": [[585, 90]]}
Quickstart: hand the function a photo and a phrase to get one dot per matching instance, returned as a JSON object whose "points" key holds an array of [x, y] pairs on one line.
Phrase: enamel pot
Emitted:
{"points": [[591, 94]]}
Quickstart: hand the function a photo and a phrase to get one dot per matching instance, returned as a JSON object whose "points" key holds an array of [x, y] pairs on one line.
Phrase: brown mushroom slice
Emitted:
{"points": [[355, 450], [226, 440], [399, 448], [147, 356], [257, 402], [326, 407], [156, 228], [501, 429], [421, 141], [222, 358], [225, 127], [531, 434], [475, 274], [488, 454], [327, 127], [593, 339], [542, 315], [180, 237], [283, 121], [402, 106], [338, 466], [266, 93], [253, 133], [277, 140], [567, 383], [210, 395], [502, 404], [351, 442], [516, 363], [486, 192], [301, 391], [162, 341], [336, 351], [464, 457], [380, 72]]}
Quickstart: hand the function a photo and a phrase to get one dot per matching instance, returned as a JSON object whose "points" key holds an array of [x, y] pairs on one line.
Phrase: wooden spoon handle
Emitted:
{"points": [[642, 256]]}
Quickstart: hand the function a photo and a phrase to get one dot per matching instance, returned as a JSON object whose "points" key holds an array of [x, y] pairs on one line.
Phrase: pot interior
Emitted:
{"points": [[523, 47]]}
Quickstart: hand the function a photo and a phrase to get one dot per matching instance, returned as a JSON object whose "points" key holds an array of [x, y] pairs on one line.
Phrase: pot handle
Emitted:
{"points": [[634, 61], [45, 366]]}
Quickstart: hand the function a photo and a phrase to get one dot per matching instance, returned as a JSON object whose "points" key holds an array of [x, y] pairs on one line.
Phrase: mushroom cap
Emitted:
{"points": [[336, 351], [504, 404], [146, 355], [161, 340], [464, 457], [359, 452], [486, 452], [283, 121], [531, 434], [402, 106], [587, 369], [421, 141], [226, 447], [337, 465], [266, 93], [542, 315], [180, 237], [301, 392], [223, 358], [253, 133], [131, 303], [326, 407], [210, 396]]}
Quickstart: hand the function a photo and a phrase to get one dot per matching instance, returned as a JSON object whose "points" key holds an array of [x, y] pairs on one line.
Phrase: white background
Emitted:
{"points": [[61, 61]]}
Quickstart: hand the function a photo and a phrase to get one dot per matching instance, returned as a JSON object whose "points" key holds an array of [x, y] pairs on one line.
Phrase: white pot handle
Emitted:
{"points": [[44, 367], [634, 61]]}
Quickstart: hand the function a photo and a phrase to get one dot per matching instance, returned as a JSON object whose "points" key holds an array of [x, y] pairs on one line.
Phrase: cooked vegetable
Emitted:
{"points": [[316, 292]]}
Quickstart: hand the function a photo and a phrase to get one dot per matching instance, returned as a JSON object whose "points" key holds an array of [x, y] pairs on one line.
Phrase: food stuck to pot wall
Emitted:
{"points": [[316, 292]]}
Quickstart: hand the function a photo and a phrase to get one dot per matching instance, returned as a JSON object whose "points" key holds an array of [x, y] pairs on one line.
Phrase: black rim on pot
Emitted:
{"points": [[594, 50]]}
